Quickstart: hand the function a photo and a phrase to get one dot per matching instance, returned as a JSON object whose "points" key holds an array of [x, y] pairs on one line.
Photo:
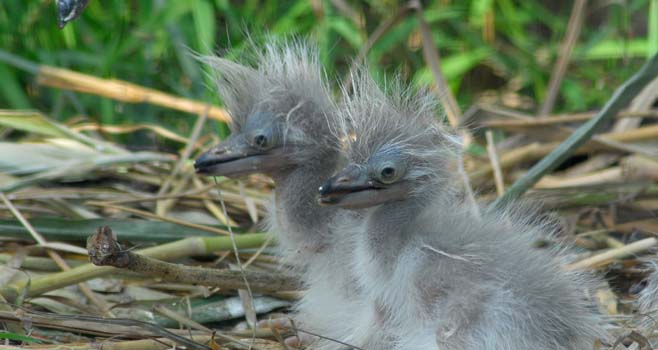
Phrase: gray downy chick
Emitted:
{"points": [[438, 276], [282, 119]]}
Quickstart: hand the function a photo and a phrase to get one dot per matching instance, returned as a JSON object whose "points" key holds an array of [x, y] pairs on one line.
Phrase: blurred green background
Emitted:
{"points": [[499, 51]]}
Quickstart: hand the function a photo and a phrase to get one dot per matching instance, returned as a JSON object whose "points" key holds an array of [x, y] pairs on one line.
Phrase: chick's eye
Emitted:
{"points": [[388, 171], [260, 140], [387, 174]]}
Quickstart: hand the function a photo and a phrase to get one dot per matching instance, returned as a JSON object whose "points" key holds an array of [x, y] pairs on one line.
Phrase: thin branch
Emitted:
{"points": [[193, 246], [431, 53], [605, 258], [195, 325], [149, 215], [161, 207], [104, 250], [548, 121], [110, 88], [564, 55], [381, 29], [495, 165]]}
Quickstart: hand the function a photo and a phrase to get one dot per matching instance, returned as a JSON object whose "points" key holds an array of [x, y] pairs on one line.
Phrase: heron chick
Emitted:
{"points": [[435, 274], [282, 119]]}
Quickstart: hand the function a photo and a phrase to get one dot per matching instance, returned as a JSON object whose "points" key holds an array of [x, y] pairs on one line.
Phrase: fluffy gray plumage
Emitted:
{"points": [[648, 304], [436, 276], [285, 91]]}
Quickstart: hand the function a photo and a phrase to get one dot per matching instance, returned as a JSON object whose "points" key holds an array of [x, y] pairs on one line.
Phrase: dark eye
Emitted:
{"points": [[260, 140], [388, 172]]}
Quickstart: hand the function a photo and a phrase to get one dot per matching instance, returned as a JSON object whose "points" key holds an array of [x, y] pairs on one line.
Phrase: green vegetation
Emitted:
{"points": [[503, 47]]}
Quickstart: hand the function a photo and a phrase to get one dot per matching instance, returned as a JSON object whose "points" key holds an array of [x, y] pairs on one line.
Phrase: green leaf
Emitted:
{"points": [[204, 24], [30, 121], [12, 90], [18, 337], [653, 28], [478, 9], [346, 30], [573, 94], [614, 49], [476, 149], [453, 67], [138, 231], [288, 22]]}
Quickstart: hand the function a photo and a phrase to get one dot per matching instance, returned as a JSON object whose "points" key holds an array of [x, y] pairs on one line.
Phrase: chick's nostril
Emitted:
{"points": [[343, 180]]}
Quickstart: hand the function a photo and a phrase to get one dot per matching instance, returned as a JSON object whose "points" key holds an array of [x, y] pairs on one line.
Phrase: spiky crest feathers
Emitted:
{"points": [[374, 120], [285, 80]]}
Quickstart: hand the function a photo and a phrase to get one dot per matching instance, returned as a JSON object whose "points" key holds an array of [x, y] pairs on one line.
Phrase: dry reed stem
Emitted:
{"points": [[123, 91], [104, 250], [520, 124], [125, 129], [613, 174], [162, 207], [150, 215], [212, 207], [605, 258], [538, 150], [433, 60], [639, 167], [99, 326], [182, 320], [495, 165], [59, 261], [445, 95], [643, 101], [185, 321], [561, 131], [644, 225], [194, 246], [142, 344]]}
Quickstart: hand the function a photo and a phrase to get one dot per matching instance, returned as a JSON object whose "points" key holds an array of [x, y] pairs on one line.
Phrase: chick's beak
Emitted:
{"points": [[351, 188], [235, 157], [347, 180]]}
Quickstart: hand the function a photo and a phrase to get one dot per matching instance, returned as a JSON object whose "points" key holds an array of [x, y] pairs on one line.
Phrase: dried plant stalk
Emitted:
{"points": [[196, 246], [104, 250]]}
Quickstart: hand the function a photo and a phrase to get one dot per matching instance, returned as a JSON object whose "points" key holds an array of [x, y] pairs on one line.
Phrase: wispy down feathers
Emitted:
{"points": [[284, 78], [395, 119]]}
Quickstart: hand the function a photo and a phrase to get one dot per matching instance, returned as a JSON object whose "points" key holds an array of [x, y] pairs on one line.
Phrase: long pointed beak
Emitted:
{"points": [[350, 179], [353, 188], [350, 188], [234, 157]]}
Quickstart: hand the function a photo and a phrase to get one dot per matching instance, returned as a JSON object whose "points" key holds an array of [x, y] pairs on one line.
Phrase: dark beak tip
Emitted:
{"points": [[198, 167]]}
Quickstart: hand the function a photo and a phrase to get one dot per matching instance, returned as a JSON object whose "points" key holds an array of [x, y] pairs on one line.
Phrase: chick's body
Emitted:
{"points": [[452, 280], [282, 113], [435, 274]]}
